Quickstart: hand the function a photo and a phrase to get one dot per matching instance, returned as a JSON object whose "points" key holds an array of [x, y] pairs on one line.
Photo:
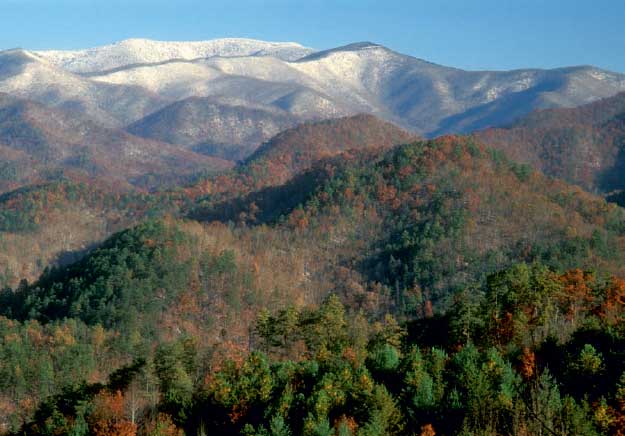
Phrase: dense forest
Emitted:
{"points": [[529, 352], [346, 279], [583, 145]]}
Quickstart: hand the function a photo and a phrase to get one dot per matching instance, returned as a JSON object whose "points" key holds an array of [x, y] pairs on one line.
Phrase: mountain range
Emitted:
{"points": [[225, 97], [240, 237]]}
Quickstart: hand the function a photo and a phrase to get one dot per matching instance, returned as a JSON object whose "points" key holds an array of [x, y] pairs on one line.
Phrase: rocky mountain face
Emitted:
{"points": [[225, 97]]}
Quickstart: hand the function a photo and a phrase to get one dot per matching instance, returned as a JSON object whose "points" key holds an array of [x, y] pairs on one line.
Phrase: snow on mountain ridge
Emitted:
{"points": [[124, 82], [26, 75], [144, 51], [358, 68]]}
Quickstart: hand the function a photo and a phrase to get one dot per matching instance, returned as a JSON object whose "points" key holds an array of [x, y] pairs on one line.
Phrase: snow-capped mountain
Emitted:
{"points": [[142, 51], [233, 130], [121, 84], [367, 77], [25, 75]]}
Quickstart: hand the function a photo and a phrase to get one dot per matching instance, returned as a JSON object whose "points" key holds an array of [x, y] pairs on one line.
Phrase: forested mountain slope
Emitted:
{"points": [[416, 231], [582, 145], [57, 223], [426, 217], [412, 227], [295, 150], [45, 142], [277, 285]]}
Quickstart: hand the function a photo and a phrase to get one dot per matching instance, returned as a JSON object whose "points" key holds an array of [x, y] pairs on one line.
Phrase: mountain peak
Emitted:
{"points": [[121, 83], [353, 47], [147, 51], [134, 42], [362, 45]]}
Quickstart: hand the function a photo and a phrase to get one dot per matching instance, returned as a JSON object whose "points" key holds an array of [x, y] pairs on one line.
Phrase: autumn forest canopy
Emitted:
{"points": [[345, 278]]}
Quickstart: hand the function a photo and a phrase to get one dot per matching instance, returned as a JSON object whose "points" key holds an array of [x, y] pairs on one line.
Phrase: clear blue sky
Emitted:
{"points": [[472, 34]]}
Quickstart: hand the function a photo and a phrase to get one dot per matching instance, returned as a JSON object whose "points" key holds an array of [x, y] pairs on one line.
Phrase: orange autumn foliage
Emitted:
{"points": [[577, 295], [613, 307], [347, 421], [108, 418], [576, 285], [528, 364], [427, 430]]}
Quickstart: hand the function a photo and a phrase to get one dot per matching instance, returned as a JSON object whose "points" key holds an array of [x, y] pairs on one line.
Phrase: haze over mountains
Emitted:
{"points": [[240, 92]]}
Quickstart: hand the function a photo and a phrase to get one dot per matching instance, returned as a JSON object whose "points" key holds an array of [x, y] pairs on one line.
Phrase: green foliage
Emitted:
{"points": [[435, 232], [278, 427], [388, 385], [384, 358], [522, 171], [68, 412], [8, 171], [175, 366], [22, 219], [24, 209], [39, 360], [413, 256], [419, 385], [113, 285], [590, 361]]}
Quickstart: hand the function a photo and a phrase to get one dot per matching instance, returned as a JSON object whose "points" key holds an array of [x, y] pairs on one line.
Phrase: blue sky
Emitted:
{"points": [[472, 34]]}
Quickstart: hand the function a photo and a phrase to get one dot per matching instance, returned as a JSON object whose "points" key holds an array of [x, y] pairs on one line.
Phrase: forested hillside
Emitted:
{"points": [[53, 223], [242, 237], [427, 288], [57, 223], [40, 144], [425, 217], [582, 145], [530, 351], [295, 150]]}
